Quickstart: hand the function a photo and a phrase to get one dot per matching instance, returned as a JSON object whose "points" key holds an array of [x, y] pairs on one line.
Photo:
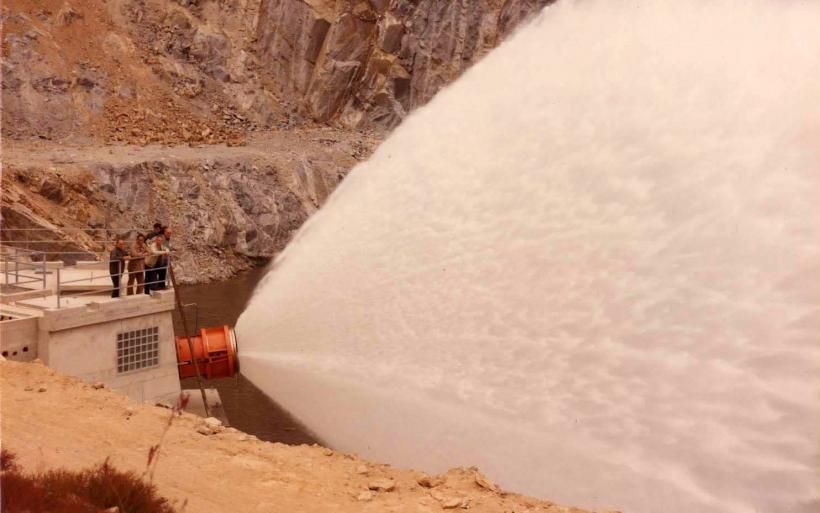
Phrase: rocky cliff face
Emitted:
{"points": [[227, 206], [114, 92], [369, 63], [207, 71]]}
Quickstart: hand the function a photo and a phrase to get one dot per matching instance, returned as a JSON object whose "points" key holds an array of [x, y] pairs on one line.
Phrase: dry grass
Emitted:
{"points": [[100, 488]]}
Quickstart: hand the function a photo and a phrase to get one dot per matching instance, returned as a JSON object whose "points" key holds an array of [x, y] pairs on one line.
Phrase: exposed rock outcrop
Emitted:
{"points": [[166, 71], [227, 206], [184, 73], [367, 64]]}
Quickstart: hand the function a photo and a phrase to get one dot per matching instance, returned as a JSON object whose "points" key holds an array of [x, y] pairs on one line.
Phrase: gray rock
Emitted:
{"points": [[435, 42], [391, 37]]}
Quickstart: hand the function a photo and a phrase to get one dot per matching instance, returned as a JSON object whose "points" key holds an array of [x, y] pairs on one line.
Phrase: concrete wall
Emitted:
{"points": [[90, 353], [18, 339], [82, 342], [22, 296]]}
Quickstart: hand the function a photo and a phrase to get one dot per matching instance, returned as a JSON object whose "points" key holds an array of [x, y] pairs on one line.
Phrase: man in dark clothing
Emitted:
{"points": [[116, 265], [150, 272], [157, 231], [162, 270]]}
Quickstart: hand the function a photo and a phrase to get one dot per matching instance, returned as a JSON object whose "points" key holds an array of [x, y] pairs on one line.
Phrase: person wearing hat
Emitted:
{"points": [[156, 231]]}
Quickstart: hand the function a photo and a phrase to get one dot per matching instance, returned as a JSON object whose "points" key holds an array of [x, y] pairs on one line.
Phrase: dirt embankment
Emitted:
{"points": [[50, 420]]}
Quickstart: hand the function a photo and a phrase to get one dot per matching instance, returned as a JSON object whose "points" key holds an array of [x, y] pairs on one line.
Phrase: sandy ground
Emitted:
{"points": [[50, 420]]}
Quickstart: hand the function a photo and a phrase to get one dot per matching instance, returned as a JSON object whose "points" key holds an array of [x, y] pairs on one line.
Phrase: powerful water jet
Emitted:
{"points": [[590, 267]]}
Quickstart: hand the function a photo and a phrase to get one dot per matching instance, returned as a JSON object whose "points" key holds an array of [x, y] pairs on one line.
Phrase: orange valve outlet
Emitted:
{"points": [[214, 350]]}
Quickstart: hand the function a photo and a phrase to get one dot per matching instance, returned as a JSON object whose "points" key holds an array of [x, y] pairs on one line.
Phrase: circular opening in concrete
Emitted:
{"points": [[25, 349], [5, 354]]}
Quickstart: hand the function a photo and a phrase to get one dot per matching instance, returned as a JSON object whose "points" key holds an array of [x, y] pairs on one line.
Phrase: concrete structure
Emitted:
{"points": [[19, 332], [64, 315], [126, 343]]}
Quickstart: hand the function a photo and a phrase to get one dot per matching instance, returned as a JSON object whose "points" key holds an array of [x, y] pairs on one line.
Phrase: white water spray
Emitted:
{"points": [[590, 267]]}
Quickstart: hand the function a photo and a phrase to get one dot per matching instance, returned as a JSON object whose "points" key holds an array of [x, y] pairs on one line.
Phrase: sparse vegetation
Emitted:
{"points": [[100, 488]]}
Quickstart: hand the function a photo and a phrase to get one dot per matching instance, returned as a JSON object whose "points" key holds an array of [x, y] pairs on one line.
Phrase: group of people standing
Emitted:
{"points": [[146, 262]]}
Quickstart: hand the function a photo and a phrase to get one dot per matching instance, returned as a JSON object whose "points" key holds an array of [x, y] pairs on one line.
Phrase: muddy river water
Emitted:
{"points": [[246, 407]]}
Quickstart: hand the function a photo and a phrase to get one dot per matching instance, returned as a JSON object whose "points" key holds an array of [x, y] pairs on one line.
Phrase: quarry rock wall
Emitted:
{"points": [[206, 71], [367, 64], [109, 78], [227, 207]]}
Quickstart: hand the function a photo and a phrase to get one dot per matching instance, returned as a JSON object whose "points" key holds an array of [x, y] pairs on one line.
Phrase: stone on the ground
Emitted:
{"points": [[382, 485], [212, 422], [361, 469], [365, 496], [454, 502], [210, 426], [98, 385], [485, 483], [204, 430], [427, 481], [449, 501]]}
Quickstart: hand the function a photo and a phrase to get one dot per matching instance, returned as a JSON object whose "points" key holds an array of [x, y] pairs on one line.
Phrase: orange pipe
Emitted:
{"points": [[215, 351]]}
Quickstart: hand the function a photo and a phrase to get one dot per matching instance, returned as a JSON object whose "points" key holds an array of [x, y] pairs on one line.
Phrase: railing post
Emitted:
{"points": [[45, 268], [194, 359], [16, 267], [196, 315], [7, 263], [58, 288]]}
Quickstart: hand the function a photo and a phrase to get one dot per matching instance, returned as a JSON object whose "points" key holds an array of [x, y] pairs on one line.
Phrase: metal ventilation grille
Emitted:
{"points": [[138, 349]]}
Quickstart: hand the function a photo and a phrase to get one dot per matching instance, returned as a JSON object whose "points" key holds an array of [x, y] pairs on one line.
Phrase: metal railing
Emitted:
{"points": [[37, 237], [26, 267], [162, 282], [23, 260]]}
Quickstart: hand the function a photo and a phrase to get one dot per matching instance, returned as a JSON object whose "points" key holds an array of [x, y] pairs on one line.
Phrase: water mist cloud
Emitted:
{"points": [[591, 267]]}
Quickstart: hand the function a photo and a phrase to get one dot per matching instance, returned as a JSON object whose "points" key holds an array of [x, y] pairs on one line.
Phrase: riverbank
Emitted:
{"points": [[50, 421]]}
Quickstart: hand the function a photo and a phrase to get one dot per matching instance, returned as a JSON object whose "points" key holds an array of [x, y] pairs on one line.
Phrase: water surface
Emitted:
{"points": [[247, 408]]}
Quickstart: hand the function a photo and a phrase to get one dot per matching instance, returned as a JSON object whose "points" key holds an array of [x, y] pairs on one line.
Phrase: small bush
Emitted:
{"points": [[86, 491], [7, 461]]}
